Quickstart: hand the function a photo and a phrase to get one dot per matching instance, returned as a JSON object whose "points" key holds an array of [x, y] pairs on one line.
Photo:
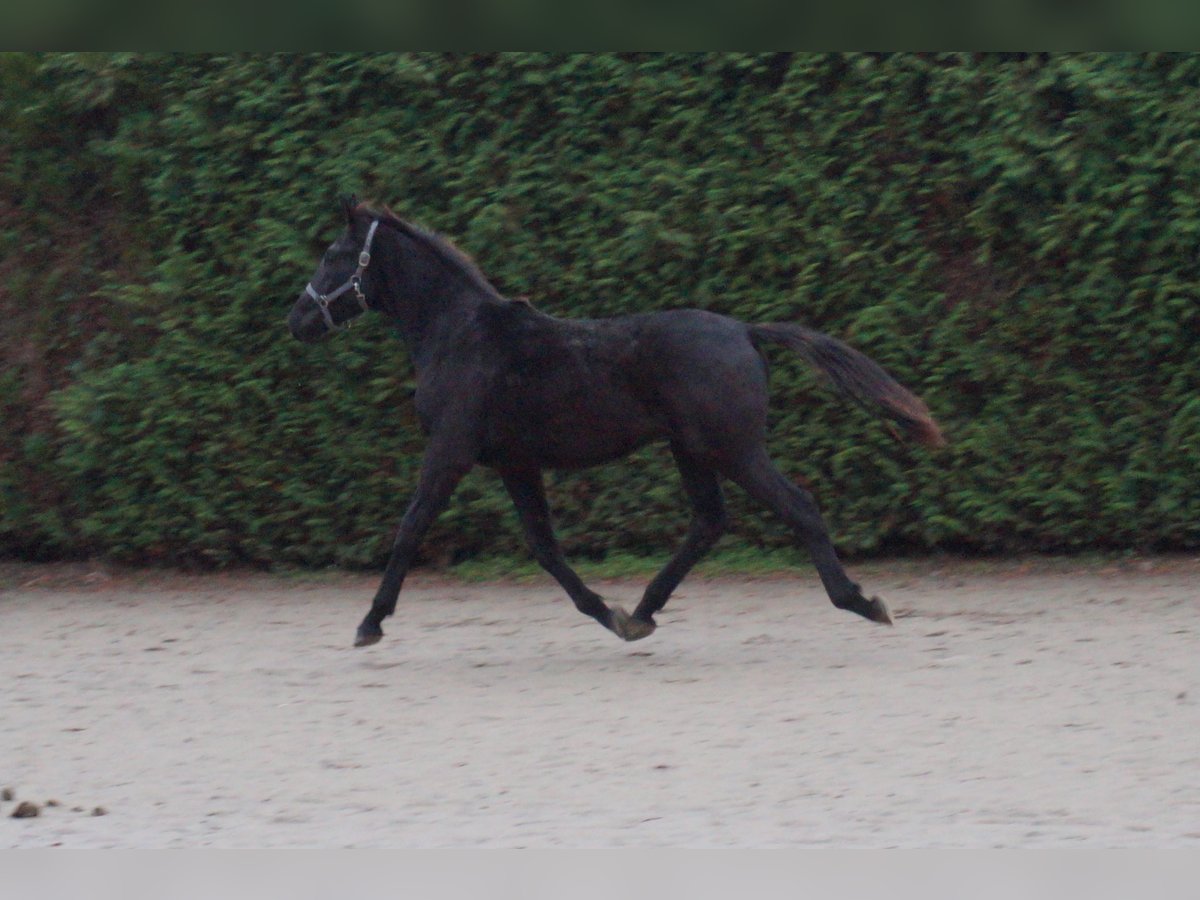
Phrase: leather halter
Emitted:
{"points": [[353, 283]]}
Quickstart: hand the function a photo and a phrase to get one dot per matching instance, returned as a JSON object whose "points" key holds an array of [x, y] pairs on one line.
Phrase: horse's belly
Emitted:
{"points": [[599, 449], [573, 435]]}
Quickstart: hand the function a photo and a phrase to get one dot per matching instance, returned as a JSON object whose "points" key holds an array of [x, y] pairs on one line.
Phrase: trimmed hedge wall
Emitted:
{"points": [[1014, 236]]}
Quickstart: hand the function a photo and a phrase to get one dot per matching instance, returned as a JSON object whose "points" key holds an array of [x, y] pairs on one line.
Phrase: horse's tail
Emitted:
{"points": [[857, 376]]}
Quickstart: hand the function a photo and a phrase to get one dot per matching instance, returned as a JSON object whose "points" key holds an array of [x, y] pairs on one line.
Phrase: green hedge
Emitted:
{"points": [[1015, 236]]}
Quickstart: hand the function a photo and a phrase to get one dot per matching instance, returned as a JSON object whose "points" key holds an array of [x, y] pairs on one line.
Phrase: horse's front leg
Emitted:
{"points": [[529, 497], [443, 466]]}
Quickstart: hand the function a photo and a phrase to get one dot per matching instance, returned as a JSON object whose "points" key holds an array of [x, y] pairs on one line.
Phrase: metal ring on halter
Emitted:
{"points": [[354, 283]]}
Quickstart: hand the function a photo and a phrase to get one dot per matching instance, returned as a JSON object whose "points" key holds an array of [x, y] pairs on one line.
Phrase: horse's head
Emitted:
{"points": [[337, 292]]}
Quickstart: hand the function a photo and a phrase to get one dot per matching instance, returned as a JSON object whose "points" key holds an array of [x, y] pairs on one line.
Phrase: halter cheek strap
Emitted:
{"points": [[353, 283]]}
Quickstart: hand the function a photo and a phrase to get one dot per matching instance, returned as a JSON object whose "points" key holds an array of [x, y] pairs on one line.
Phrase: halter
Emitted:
{"points": [[353, 283]]}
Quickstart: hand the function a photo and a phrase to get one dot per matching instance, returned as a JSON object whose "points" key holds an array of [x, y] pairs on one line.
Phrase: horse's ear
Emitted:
{"points": [[349, 204]]}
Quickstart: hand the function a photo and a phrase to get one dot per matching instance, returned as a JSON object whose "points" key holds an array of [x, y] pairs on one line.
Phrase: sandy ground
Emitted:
{"points": [[1014, 705]]}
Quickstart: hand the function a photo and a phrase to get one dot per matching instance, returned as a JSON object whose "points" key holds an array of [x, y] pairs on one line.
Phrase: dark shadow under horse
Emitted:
{"points": [[502, 384]]}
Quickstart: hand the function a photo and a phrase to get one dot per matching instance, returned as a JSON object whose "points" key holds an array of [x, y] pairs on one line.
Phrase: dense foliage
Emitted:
{"points": [[1014, 236]]}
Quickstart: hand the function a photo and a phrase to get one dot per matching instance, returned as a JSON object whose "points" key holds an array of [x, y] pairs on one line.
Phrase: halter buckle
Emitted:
{"points": [[356, 286]]}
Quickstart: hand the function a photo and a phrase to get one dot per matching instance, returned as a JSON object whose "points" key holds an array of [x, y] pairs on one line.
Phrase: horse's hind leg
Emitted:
{"points": [[529, 497], [709, 522], [766, 484]]}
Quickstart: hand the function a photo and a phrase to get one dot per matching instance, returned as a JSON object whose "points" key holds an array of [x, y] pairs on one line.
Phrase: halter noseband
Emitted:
{"points": [[353, 283]]}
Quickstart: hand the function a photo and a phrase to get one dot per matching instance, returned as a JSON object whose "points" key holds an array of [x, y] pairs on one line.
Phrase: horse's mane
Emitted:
{"points": [[440, 246]]}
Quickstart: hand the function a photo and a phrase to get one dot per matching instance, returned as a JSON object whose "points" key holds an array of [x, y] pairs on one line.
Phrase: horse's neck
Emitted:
{"points": [[430, 309], [448, 317]]}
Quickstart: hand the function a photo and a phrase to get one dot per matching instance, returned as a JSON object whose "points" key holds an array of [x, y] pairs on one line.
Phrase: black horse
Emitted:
{"points": [[502, 384]]}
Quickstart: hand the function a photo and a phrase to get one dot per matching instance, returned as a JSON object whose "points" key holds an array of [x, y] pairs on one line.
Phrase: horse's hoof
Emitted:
{"points": [[874, 610], [877, 611], [628, 628], [367, 635]]}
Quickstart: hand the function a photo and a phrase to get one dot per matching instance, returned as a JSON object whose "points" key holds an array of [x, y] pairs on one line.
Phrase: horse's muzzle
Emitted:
{"points": [[305, 321]]}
